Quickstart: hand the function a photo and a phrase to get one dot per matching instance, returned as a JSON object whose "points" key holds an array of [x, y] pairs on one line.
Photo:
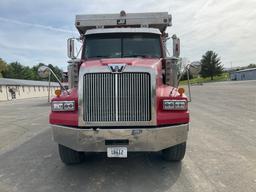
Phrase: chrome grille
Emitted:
{"points": [[117, 97]]}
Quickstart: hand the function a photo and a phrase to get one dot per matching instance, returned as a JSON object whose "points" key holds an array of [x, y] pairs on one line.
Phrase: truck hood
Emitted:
{"points": [[140, 62]]}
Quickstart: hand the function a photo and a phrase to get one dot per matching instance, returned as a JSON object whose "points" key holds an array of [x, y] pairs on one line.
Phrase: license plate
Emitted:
{"points": [[120, 152]]}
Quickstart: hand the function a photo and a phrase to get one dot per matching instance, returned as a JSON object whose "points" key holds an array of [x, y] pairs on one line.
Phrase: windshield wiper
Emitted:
{"points": [[143, 56], [99, 56]]}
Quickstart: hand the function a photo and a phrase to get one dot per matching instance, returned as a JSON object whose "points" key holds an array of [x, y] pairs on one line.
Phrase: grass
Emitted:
{"points": [[200, 80]]}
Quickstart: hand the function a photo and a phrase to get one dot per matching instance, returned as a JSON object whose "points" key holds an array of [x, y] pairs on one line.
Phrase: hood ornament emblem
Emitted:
{"points": [[117, 68]]}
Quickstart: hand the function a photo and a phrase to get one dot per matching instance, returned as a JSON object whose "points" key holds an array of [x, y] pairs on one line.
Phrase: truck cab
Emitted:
{"points": [[123, 95]]}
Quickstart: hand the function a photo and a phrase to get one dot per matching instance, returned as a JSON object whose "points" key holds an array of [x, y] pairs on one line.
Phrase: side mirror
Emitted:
{"points": [[71, 48], [176, 46], [195, 68], [43, 71]]}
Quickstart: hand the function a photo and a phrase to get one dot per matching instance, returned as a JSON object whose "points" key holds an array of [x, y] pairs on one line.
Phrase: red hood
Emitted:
{"points": [[142, 62]]}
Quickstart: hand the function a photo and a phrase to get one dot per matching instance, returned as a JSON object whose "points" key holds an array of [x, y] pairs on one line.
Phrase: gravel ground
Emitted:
{"points": [[221, 150]]}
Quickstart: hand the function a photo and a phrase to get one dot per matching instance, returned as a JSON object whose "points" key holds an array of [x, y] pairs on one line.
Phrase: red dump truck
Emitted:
{"points": [[123, 91]]}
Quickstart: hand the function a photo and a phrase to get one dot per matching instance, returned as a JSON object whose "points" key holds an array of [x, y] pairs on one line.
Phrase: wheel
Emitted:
{"points": [[70, 156], [175, 153]]}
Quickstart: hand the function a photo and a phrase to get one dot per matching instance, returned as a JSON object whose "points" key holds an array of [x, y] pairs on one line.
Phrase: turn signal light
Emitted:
{"points": [[57, 92], [181, 91]]}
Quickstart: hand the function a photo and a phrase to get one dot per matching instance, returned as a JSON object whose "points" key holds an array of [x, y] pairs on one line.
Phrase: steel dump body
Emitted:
{"points": [[159, 21]]}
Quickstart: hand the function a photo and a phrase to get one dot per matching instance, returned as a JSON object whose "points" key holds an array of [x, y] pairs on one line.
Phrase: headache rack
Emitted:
{"points": [[159, 20]]}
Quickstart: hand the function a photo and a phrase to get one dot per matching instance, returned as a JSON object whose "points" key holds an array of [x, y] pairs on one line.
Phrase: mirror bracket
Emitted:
{"points": [[42, 70]]}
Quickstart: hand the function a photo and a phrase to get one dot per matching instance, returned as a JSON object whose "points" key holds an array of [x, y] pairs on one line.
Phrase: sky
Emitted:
{"points": [[36, 31]]}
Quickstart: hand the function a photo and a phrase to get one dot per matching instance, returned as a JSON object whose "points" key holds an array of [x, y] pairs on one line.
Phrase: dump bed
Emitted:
{"points": [[159, 20]]}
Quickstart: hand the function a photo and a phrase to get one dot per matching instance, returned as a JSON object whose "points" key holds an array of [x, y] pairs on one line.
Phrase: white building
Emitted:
{"points": [[21, 89], [246, 74]]}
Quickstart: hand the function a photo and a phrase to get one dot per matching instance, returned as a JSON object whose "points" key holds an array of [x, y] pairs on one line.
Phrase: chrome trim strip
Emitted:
{"points": [[105, 69], [116, 94]]}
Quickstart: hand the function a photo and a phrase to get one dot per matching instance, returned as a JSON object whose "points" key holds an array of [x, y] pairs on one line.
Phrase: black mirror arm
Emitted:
{"points": [[58, 80], [186, 70]]}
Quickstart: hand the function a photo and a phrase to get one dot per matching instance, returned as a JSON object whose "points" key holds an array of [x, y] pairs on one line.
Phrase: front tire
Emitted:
{"points": [[70, 156], [175, 153]]}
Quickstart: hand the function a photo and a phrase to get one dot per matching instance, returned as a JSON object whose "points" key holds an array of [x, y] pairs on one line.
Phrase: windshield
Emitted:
{"points": [[122, 45]]}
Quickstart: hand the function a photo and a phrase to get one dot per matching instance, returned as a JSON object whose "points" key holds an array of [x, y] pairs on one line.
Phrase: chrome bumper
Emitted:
{"points": [[140, 139]]}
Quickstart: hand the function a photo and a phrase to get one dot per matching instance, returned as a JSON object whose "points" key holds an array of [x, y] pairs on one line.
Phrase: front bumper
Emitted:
{"points": [[139, 139]]}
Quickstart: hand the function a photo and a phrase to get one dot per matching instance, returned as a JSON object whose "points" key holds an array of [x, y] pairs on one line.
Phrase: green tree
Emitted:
{"points": [[3, 67], [211, 65], [185, 76], [252, 65], [14, 70], [27, 73]]}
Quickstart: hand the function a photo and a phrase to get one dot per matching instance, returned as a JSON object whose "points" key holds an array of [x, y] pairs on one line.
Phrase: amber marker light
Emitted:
{"points": [[57, 92], [181, 91]]}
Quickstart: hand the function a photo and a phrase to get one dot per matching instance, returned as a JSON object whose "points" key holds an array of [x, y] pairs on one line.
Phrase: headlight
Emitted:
{"points": [[63, 105], [174, 105]]}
